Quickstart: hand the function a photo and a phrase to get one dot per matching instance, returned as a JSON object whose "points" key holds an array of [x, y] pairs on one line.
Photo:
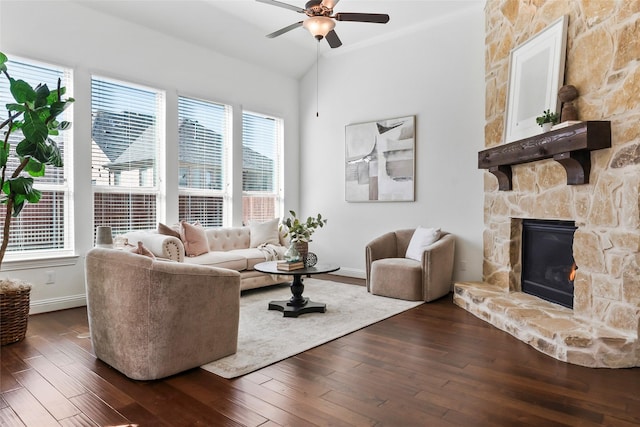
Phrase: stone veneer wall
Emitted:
{"points": [[603, 62]]}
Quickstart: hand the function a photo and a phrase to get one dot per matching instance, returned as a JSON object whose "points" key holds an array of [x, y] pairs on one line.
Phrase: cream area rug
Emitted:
{"points": [[266, 337]]}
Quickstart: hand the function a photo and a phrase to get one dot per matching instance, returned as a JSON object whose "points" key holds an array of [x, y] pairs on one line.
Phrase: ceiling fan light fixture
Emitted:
{"points": [[319, 26]]}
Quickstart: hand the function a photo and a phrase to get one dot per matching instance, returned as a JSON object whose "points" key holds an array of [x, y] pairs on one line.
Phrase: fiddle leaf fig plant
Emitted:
{"points": [[34, 117]]}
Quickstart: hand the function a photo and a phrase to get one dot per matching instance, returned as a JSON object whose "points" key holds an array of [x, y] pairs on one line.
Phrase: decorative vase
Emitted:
{"points": [[311, 260], [292, 254], [104, 238], [303, 250]]}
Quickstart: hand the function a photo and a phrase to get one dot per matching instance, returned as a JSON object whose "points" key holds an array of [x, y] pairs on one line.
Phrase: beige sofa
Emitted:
{"points": [[229, 247], [150, 319]]}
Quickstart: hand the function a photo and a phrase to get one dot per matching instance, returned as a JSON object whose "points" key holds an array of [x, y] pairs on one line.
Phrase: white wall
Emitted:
{"points": [[94, 43], [435, 73]]}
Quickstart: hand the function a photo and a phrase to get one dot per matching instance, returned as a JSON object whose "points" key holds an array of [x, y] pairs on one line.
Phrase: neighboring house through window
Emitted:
{"points": [[261, 167], [126, 140], [45, 227]]}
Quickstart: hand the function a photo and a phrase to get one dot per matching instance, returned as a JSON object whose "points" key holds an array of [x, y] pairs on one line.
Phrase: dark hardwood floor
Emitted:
{"points": [[435, 365]]}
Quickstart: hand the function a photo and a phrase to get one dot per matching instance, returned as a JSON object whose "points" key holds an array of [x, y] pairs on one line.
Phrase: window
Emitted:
{"points": [[126, 136], [204, 138], [261, 167], [43, 227]]}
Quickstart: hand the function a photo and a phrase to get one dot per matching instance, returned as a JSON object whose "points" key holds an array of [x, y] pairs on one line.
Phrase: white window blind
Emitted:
{"points": [[204, 140], [261, 166], [126, 136], [44, 227]]}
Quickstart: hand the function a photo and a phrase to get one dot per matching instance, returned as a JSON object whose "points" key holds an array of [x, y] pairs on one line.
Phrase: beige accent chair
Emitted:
{"points": [[151, 319], [390, 274]]}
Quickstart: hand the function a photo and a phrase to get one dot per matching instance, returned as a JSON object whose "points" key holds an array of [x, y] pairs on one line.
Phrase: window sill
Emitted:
{"points": [[44, 261]]}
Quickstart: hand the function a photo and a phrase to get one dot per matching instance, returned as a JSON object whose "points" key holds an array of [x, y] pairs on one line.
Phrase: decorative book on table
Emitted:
{"points": [[290, 265]]}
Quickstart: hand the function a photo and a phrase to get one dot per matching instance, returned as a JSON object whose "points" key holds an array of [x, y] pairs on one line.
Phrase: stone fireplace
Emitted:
{"points": [[601, 330]]}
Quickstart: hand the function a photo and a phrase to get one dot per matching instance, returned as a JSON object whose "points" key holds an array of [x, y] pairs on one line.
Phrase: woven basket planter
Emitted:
{"points": [[14, 310]]}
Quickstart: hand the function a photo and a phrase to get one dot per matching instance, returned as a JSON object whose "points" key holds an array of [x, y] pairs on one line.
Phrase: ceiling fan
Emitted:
{"points": [[321, 20]]}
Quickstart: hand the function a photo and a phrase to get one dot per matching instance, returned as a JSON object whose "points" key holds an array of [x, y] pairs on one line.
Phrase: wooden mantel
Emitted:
{"points": [[570, 146]]}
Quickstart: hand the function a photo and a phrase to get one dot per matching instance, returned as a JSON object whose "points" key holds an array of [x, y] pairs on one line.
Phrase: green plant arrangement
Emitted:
{"points": [[33, 115], [547, 117], [301, 231]]}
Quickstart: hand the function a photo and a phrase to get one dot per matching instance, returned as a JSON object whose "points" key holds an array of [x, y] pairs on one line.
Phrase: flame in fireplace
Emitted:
{"points": [[572, 273]]}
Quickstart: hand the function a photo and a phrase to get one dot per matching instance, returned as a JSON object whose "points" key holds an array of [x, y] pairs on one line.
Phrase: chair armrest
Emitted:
{"points": [[162, 246], [381, 247], [437, 267]]}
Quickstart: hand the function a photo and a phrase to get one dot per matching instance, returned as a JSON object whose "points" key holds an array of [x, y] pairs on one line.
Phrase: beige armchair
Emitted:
{"points": [[390, 274], [151, 319]]}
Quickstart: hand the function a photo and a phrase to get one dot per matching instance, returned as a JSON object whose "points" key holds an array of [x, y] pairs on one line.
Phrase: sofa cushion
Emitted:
{"points": [[228, 238], [231, 260], [169, 230], [194, 238], [255, 255], [397, 278], [263, 233], [141, 249], [421, 238]]}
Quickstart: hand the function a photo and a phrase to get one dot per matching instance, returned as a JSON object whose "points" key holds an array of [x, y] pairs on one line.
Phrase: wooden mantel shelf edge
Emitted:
{"points": [[570, 146]]}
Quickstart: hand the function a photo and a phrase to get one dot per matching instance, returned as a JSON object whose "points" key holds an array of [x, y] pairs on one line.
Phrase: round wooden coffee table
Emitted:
{"points": [[297, 304]]}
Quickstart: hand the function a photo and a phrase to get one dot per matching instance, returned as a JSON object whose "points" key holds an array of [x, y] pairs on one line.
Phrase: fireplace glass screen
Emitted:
{"points": [[548, 268]]}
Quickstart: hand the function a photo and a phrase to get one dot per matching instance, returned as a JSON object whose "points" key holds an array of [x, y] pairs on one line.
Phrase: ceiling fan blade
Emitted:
{"points": [[378, 18], [330, 4], [280, 4], [333, 39], [284, 30]]}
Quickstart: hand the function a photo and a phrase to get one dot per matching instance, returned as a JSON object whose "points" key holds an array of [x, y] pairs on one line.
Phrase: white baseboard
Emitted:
{"points": [[55, 304], [351, 272]]}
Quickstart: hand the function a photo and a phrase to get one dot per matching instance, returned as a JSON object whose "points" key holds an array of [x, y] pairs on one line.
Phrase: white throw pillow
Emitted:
{"points": [[421, 238], [264, 233]]}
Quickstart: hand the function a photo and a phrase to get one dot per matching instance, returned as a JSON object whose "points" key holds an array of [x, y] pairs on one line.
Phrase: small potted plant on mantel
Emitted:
{"points": [[300, 232], [546, 120], [33, 116]]}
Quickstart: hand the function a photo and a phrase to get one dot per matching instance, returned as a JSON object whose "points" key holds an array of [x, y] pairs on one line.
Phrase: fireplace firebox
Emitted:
{"points": [[548, 267]]}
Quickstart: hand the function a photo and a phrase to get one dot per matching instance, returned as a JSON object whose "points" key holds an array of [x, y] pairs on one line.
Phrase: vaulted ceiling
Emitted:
{"points": [[237, 28]]}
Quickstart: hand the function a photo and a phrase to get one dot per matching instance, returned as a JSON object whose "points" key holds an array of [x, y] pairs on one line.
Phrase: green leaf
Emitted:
{"points": [[4, 154], [34, 196], [58, 107], [64, 125], [20, 185], [34, 128], [54, 156], [17, 206], [42, 92], [3, 61], [26, 148], [16, 107], [22, 92], [35, 168]]}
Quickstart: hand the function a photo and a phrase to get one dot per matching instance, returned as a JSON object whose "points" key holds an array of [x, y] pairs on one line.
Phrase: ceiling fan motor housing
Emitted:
{"points": [[316, 8]]}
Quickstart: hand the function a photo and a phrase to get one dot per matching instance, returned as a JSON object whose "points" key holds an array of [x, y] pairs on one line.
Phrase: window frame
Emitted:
{"points": [[227, 149], [156, 190], [278, 175], [19, 260]]}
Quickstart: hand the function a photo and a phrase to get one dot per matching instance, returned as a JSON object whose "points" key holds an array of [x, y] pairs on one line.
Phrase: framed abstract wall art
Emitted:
{"points": [[380, 160]]}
